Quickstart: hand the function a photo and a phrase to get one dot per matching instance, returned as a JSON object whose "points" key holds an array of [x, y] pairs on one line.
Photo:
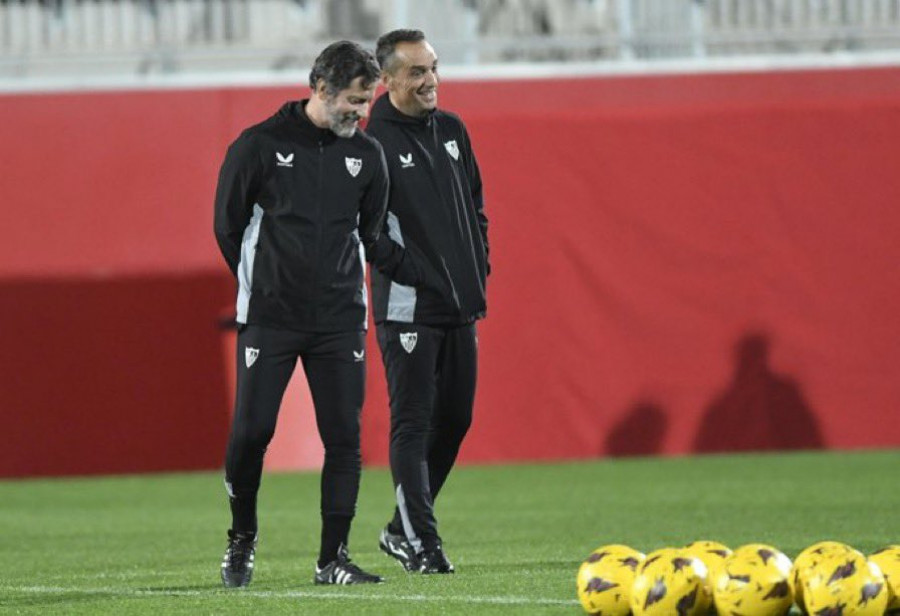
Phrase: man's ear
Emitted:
{"points": [[321, 90], [386, 80]]}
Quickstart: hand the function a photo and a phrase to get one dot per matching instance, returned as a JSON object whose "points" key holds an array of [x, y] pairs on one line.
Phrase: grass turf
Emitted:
{"points": [[517, 534]]}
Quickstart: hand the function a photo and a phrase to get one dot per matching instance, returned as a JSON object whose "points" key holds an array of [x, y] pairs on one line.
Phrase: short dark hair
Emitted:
{"points": [[387, 44], [339, 64]]}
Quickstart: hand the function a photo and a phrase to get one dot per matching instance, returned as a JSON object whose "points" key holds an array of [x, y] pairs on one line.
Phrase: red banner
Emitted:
{"points": [[680, 264]]}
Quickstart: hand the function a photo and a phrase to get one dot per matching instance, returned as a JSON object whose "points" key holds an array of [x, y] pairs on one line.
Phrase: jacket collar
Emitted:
{"points": [[295, 112], [383, 109]]}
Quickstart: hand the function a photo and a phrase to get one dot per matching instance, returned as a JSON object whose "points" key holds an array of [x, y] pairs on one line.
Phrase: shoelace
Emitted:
{"points": [[238, 554]]}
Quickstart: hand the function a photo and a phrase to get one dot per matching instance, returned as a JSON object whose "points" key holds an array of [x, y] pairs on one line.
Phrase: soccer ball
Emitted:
{"points": [[670, 581], [754, 580], [605, 579], [712, 554], [806, 561], [767, 553], [888, 560], [845, 584]]}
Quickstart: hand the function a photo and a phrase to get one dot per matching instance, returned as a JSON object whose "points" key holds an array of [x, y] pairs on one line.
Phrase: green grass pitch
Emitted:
{"points": [[517, 534]]}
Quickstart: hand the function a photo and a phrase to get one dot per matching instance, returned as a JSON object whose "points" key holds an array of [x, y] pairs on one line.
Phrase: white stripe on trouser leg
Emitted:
{"points": [[229, 489], [414, 541]]}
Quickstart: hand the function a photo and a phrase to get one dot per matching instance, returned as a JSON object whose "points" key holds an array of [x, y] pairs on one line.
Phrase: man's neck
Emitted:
{"points": [[418, 116], [316, 112]]}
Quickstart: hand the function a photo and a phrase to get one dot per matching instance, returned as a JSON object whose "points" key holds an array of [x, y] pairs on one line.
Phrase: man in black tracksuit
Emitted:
{"points": [[297, 196], [426, 330]]}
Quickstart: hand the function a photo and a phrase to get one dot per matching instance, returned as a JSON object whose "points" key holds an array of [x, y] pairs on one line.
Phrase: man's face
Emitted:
{"points": [[412, 79], [346, 108]]}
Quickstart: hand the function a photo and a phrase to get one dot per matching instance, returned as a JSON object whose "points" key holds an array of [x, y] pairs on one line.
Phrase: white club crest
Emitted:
{"points": [[452, 148], [250, 355], [409, 341], [354, 165]]}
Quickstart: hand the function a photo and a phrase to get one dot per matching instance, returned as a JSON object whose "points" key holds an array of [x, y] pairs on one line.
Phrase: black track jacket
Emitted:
{"points": [[436, 212], [292, 206]]}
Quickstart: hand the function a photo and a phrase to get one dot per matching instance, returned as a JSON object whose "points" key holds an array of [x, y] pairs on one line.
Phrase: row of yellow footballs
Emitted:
{"points": [[706, 577]]}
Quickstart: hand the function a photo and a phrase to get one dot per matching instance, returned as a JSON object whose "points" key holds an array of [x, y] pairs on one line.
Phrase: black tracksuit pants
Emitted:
{"points": [[335, 370], [431, 374]]}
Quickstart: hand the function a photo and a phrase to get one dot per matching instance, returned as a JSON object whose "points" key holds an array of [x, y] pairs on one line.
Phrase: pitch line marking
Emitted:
{"points": [[288, 594]]}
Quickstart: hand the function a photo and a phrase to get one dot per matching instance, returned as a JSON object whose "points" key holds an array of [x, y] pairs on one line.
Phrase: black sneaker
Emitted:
{"points": [[398, 547], [435, 561], [237, 564], [342, 571]]}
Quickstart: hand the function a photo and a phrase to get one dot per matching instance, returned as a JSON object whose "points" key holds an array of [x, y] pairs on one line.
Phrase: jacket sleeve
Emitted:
{"points": [[478, 198], [239, 181], [386, 255]]}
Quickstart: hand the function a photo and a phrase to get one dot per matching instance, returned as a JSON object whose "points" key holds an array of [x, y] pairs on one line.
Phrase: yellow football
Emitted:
{"points": [[605, 579]]}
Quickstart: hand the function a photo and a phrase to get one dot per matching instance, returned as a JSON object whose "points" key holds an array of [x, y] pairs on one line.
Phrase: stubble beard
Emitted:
{"points": [[341, 124]]}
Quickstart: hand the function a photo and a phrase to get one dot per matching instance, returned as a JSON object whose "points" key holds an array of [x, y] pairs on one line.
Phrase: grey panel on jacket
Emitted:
{"points": [[402, 299], [245, 267]]}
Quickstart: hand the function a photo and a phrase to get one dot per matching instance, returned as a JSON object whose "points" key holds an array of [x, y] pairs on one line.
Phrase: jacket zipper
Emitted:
{"points": [[449, 210], [319, 225]]}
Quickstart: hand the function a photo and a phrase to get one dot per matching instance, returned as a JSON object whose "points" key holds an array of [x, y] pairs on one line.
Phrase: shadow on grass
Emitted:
{"points": [[54, 599], [176, 590], [493, 566], [51, 597]]}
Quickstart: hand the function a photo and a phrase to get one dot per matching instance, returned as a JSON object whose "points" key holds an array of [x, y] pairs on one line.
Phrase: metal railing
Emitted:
{"points": [[147, 36]]}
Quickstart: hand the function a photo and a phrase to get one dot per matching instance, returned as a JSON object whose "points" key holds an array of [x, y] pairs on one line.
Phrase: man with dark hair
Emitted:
{"points": [[426, 329], [386, 47], [297, 195]]}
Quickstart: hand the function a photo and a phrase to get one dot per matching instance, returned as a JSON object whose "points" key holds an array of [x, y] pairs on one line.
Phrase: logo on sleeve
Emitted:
{"points": [[359, 355], [408, 340], [250, 355], [354, 165], [406, 161], [452, 148], [284, 161]]}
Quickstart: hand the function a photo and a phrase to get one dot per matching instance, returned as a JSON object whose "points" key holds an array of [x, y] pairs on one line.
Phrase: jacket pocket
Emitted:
{"points": [[437, 283], [427, 275]]}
